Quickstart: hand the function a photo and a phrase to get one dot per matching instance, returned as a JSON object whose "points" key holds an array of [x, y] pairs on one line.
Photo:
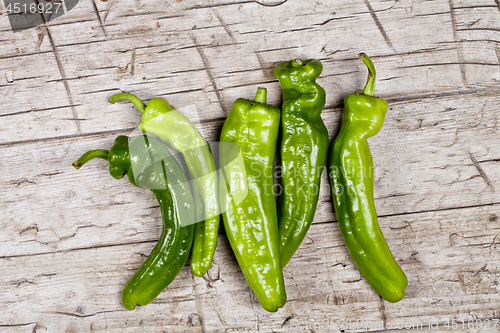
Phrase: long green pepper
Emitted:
{"points": [[148, 164], [351, 175], [251, 224], [178, 132], [304, 146]]}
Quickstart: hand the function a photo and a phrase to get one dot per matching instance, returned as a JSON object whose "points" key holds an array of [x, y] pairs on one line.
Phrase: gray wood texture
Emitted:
{"points": [[71, 239]]}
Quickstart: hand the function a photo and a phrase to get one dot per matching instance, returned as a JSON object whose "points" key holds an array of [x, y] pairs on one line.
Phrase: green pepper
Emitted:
{"points": [[304, 146], [251, 224], [351, 174], [178, 132], [148, 164]]}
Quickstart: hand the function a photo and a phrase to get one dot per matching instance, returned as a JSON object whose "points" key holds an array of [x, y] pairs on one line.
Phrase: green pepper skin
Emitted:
{"points": [[251, 225], [304, 147], [172, 250], [351, 175], [178, 132]]}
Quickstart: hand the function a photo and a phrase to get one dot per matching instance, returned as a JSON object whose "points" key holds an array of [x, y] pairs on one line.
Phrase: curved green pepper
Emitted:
{"points": [[178, 132], [251, 224], [148, 164], [304, 146], [351, 174]]}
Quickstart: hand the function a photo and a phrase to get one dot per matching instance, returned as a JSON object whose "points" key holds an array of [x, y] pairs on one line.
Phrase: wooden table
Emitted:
{"points": [[71, 239]]}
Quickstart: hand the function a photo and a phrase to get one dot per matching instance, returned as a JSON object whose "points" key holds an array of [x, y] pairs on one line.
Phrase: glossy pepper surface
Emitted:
{"points": [[148, 164], [251, 224], [178, 132], [351, 174], [304, 146]]}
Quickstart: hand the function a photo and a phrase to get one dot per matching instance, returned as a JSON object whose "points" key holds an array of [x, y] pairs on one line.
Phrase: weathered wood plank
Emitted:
{"points": [[159, 55], [451, 265]]}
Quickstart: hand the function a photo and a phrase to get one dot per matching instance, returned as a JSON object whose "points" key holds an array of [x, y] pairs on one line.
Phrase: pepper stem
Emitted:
{"points": [[370, 82], [261, 95], [297, 63], [128, 97], [90, 155]]}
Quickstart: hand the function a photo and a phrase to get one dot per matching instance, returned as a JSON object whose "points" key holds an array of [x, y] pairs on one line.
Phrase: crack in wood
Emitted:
{"points": [[78, 249], [492, 242], [266, 70], [432, 14], [475, 6], [271, 4], [40, 39], [63, 76], [206, 64], [480, 29], [151, 12], [451, 63], [111, 2], [460, 53], [36, 110], [335, 19], [421, 211], [482, 297], [218, 4], [101, 22], [132, 63], [224, 25], [426, 96], [70, 136], [24, 54], [295, 30], [278, 49], [382, 311], [96, 41], [77, 315], [175, 299], [392, 55], [21, 282], [185, 71], [17, 325], [200, 315], [418, 326], [497, 52], [490, 160], [209, 46], [412, 258], [481, 171], [340, 74], [55, 23], [253, 84], [166, 17]]}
